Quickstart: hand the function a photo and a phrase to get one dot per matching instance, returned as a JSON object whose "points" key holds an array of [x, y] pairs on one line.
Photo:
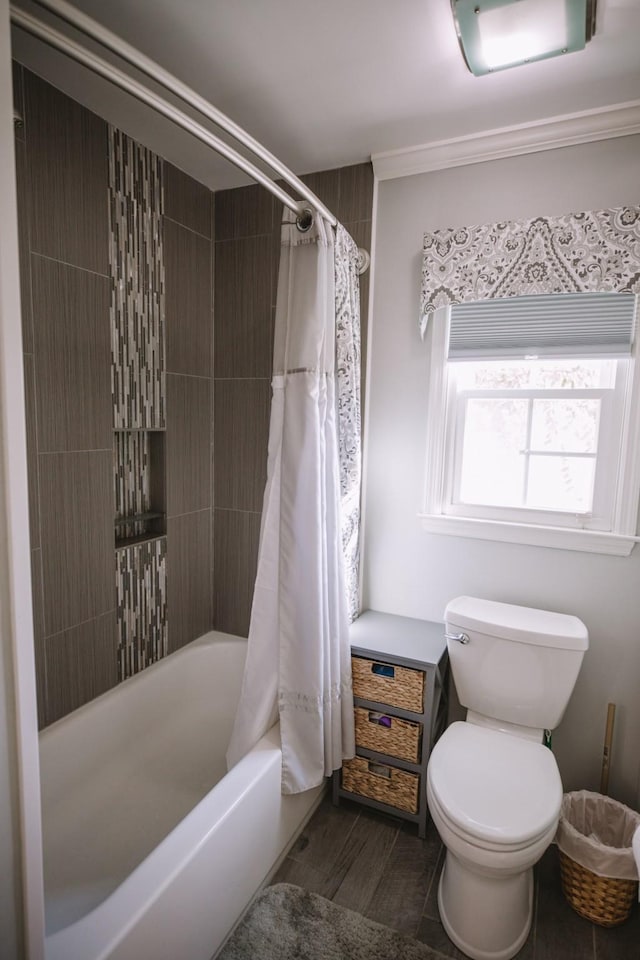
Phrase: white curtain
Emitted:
{"points": [[298, 661]]}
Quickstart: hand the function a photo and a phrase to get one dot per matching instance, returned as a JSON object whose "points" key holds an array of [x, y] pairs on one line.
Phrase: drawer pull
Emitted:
{"points": [[384, 733], [388, 685], [379, 770], [383, 670], [382, 782], [380, 718]]}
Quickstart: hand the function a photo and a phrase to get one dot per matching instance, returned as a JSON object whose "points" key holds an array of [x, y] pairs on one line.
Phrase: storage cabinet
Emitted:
{"points": [[399, 668]]}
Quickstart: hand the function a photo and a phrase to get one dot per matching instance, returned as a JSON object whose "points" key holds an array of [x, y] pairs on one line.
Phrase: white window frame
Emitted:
{"points": [[534, 527]]}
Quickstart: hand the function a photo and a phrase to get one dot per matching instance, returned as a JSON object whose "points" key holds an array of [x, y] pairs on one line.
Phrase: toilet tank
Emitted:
{"points": [[520, 664]]}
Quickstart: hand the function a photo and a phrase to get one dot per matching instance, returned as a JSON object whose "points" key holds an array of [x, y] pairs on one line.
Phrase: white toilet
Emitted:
{"points": [[493, 787]]}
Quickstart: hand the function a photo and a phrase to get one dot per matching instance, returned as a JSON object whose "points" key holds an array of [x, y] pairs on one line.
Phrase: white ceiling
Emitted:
{"points": [[330, 82]]}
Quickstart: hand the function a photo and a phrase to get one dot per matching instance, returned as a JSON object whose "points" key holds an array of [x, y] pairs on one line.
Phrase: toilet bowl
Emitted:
{"points": [[493, 788], [495, 801]]}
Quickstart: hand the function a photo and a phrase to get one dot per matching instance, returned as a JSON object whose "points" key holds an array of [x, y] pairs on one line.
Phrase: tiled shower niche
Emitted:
{"points": [[139, 472]]}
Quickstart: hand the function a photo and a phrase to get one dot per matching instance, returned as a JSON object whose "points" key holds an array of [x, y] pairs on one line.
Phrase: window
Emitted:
{"points": [[533, 422]]}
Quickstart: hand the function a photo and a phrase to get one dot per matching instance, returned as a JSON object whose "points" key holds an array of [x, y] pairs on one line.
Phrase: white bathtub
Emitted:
{"points": [[151, 849]]}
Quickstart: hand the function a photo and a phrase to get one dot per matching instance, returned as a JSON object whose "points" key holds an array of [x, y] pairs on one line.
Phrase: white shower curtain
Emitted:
{"points": [[298, 661]]}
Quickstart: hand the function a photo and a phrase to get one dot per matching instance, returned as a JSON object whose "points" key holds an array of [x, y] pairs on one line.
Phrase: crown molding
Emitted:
{"points": [[619, 120]]}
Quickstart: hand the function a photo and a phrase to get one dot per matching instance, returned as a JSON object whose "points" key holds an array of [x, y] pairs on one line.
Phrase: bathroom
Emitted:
{"points": [[407, 570]]}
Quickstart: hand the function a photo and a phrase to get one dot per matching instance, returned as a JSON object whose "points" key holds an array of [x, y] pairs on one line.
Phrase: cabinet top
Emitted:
{"points": [[416, 642]]}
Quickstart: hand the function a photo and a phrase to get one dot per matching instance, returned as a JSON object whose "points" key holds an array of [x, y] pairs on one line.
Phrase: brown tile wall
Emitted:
{"points": [[247, 238], [61, 161], [189, 390], [62, 181]]}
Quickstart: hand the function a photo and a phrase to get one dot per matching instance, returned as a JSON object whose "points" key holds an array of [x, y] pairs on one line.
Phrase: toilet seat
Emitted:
{"points": [[494, 789]]}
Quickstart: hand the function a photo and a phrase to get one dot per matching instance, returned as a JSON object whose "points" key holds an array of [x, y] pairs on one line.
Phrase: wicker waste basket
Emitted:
{"points": [[597, 865]]}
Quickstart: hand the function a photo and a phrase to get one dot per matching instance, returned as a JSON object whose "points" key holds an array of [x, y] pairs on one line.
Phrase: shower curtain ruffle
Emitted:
{"points": [[298, 660]]}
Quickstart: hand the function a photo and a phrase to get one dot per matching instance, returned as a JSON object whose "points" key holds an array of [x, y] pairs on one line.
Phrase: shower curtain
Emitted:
{"points": [[298, 661]]}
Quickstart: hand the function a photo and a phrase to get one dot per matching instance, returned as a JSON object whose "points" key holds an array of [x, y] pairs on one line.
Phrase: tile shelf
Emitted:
{"points": [[139, 517], [139, 462], [133, 541]]}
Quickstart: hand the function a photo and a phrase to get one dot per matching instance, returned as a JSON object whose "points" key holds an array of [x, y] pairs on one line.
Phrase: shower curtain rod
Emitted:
{"points": [[114, 75]]}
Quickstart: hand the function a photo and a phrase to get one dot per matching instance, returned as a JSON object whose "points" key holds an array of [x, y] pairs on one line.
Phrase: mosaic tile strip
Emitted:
{"points": [[141, 597], [136, 260], [131, 473]]}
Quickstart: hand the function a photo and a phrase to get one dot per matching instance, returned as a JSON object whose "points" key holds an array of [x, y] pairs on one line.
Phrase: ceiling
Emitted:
{"points": [[331, 82]]}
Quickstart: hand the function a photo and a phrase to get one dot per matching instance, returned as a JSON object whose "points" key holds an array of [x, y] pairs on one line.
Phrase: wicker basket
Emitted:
{"points": [[388, 683], [602, 900], [390, 735], [378, 781]]}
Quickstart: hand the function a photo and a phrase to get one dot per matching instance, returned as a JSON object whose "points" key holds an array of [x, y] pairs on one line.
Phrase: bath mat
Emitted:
{"points": [[288, 923]]}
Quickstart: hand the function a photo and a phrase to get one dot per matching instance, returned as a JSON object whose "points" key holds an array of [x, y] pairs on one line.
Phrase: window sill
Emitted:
{"points": [[561, 538]]}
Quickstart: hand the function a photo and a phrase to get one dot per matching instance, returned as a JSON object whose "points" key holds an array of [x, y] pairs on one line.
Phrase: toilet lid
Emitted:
{"points": [[493, 785]]}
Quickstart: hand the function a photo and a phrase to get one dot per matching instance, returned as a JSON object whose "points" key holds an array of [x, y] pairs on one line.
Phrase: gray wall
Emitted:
{"points": [[411, 572]]}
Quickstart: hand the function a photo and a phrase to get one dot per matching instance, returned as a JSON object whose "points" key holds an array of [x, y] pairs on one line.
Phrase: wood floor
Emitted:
{"points": [[377, 866]]}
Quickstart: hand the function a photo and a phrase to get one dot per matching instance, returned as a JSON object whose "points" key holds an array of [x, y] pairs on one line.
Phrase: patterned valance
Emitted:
{"points": [[594, 252]]}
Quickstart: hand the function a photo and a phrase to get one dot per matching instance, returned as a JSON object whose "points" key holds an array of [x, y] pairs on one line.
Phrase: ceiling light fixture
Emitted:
{"points": [[496, 34]]}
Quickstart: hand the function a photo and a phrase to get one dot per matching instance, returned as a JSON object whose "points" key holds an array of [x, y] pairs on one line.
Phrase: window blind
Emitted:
{"points": [[581, 324]]}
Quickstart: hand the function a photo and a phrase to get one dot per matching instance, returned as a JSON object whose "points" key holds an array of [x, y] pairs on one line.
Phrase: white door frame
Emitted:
{"points": [[21, 889]]}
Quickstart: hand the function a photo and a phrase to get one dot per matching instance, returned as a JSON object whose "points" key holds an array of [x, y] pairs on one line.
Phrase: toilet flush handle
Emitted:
{"points": [[458, 637]]}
